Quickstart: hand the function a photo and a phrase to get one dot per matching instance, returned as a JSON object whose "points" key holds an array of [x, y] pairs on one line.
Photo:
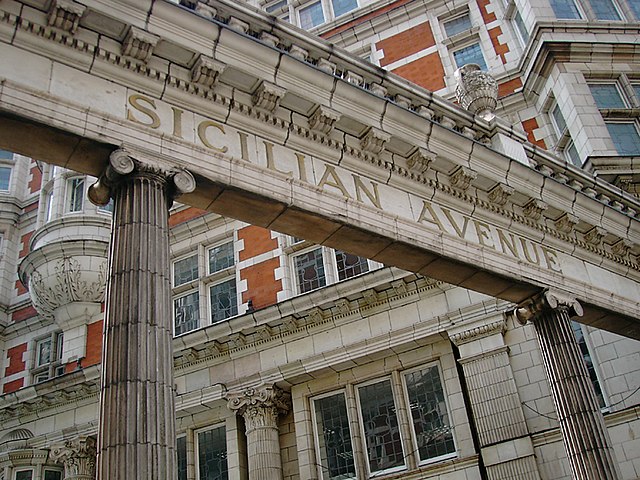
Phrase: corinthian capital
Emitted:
{"points": [[260, 406], [78, 457], [547, 300]]}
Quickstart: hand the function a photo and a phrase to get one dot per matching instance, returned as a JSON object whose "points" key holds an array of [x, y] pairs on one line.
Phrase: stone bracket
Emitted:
{"points": [[268, 96], [139, 44], [65, 15], [206, 71]]}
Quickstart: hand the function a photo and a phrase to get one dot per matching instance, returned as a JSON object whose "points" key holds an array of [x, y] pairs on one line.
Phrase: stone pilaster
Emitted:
{"points": [[137, 405], [584, 433], [78, 457], [506, 448], [260, 408]]}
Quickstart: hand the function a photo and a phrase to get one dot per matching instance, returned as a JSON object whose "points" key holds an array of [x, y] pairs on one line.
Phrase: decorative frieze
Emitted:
{"points": [[622, 247], [269, 39], [500, 194], [370, 297], [420, 160], [238, 25], [323, 119], [298, 52], [534, 209], [343, 306], [139, 44], [462, 177], [374, 140], [594, 236], [402, 101], [315, 315], [65, 15], [206, 11], [327, 66], [567, 223], [268, 96], [353, 78], [78, 457], [378, 89], [206, 71]]}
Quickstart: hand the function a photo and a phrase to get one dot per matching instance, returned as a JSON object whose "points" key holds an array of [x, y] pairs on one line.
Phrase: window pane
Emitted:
{"points": [[625, 137], [5, 155], [340, 7], [429, 413], [186, 313], [52, 475], [586, 355], [561, 124], [221, 257], [606, 96], [310, 271], [457, 25], [470, 54], [76, 194], [212, 454], [604, 10], [108, 207], [49, 206], [24, 475], [635, 6], [384, 448], [311, 16], [276, 6], [565, 9], [181, 447], [185, 270], [5, 178], [350, 265], [636, 88], [522, 28], [43, 352], [336, 452], [224, 301], [573, 155]]}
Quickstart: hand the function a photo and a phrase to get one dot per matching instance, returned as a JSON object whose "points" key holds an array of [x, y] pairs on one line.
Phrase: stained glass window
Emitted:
{"points": [[212, 454], [625, 137], [221, 257], [382, 435], [429, 413], [186, 313], [607, 95], [310, 270], [224, 300], [334, 438], [350, 265], [185, 270]]}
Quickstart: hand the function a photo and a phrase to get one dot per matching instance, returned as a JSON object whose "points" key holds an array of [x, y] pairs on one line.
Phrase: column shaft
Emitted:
{"points": [[263, 444], [137, 408], [584, 433]]}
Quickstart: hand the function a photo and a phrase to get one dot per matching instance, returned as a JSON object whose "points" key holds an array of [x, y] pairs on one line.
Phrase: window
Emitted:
{"points": [[586, 355], [212, 454], [340, 7], [186, 313], [75, 194], [625, 137], [185, 270], [378, 423], [5, 178], [604, 10], [49, 206], [318, 12], [310, 271], [457, 25], [470, 54], [108, 208], [566, 9], [572, 154], [52, 474], [224, 300], [636, 86], [521, 27], [221, 257], [607, 95], [311, 16], [350, 265], [47, 358], [635, 7], [276, 6], [558, 120], [24, 475], [181, 448]]}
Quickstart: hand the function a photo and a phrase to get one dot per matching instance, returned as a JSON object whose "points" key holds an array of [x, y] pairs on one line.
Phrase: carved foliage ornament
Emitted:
{"points": [[374, 140], [462, 177], [260, 406], [206, 71], [323, 119], [78, 457], [477, 91], [547, 300], [268, 96], [420, 160]]}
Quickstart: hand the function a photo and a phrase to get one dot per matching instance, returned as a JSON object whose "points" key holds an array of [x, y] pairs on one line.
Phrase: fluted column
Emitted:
{"points": [[584, 433], [78, 457], [137, 406], [260, 408]]}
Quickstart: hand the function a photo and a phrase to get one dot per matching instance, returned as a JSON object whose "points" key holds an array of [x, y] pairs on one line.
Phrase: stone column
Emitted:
{"points": [[584, 433], [137, 405], [78, 457], [260, 408]]}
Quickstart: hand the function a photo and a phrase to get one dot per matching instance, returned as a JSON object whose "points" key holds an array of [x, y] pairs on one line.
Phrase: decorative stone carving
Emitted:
{"points": [[265, 332], [477, 332], [238, 340], [343, 306], [378, 89], [263, 403], [206, 71], [477, 91], [567, 223], [78, 457], [269, 39], [298, 52], [500, 194], [594, 236], [139, 44], [65, 15], [403, 101], [291, 324], [425, 112], [374, 140], [268, 96], [315, 315], [399, 288], [238, 25], [327, 66], [534, 209], [622, 247], [370, 297], [206, 11], [548, 299], [323, 119], [353, 78], [462, 177], [420, 160]]}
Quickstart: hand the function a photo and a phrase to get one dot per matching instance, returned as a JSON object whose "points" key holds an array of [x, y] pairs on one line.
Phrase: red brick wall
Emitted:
{"points": [[23, 314], [365, 18], [94, 344], [500, 48], [36, 178], [509, 87], [257, 240], [427, 72], [406, 43], [13, 386], [486, 16], [24, 240], [262, 286], [529, 126], [16, 359], [185, 215]]}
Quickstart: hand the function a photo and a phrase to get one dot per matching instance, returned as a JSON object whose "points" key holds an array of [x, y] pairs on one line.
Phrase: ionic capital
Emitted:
{"points": [[260, 406], [121, 164], [546, 301], [78, 457]]}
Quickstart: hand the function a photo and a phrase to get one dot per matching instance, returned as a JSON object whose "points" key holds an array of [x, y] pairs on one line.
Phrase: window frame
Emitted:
{"points": [[578, 7], [18, 470], [8, 166], [54, 367], [199, 310], [595, 362], [328, 12], [458, 48], [196, 445], [47, 469], [616, 8], [70, 194]]}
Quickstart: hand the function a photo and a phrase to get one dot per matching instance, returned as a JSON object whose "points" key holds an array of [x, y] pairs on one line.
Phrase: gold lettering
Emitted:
{"points": [[134, 101], [330, 171], [244, 146], [373, 197], [271, 164], [461, 233], [483, 231], [202, 135], [552, 259], [504, 242], [302, 168], [527, 255], [426, 207], [177, 121]]}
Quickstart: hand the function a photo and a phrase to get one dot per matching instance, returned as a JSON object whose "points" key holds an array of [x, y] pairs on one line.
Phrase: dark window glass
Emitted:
{"points": [[185, 270], [625, 137], [606, 95], [310, 270], [565, 9], [350, 265], [186, 313], [604, 10], [212, 454], [221, 257], [181, 447], [5, 178], [470, 54], [586, 355], [224, 301], [457, 25], [340, 7], [336, 452]]}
